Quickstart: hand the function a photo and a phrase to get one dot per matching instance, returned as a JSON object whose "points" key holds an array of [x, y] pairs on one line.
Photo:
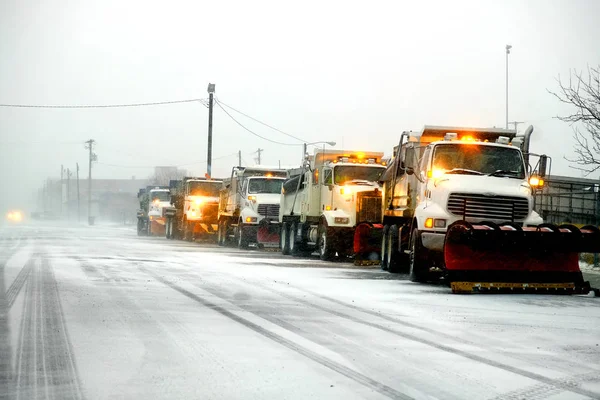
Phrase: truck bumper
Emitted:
{"points": [[433, 240]]}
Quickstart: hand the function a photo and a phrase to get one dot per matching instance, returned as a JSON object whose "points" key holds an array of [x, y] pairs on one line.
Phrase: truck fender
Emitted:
{"points": [[330, 216]]}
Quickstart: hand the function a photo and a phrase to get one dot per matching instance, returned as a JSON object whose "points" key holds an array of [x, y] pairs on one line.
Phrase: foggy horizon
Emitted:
{"points": [[332, 71]]}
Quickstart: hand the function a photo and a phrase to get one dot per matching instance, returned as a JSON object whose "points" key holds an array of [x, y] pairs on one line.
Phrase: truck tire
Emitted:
{"points": [[418, 267], [241, 237], [221, 233], [384, 248], [397, 261], [188, 231], [326, 250], [297, 248], [284, 242]]}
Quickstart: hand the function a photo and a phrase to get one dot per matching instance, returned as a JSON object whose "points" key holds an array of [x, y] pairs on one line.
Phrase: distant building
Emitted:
{"points": [[566, 199], [112, 199]]}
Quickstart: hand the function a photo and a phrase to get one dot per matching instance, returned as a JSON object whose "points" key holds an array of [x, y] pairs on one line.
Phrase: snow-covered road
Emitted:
{"points": [[97, 312]]}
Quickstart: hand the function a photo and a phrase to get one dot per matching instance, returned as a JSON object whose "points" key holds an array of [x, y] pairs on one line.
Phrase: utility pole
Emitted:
{"points": [[69, 174], [239, 158], [508, 47], [78, 197], [259, 151], [62, 169], [516, 124], [211, 91], [92, 157]]}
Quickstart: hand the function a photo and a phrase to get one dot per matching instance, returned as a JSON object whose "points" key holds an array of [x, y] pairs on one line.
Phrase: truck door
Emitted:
{"points": [[424, 167], [326, 189], [313, 192]]}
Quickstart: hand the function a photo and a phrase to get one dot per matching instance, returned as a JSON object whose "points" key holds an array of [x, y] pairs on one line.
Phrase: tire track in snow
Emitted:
{"points": [[8, 247], [45, 362], [556, 383], [541, 391], [339, 368], [15, 288]]}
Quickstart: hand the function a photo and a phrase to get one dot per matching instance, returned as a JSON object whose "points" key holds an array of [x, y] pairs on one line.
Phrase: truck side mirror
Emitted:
{"points": [[330, 187], [543, 165]]}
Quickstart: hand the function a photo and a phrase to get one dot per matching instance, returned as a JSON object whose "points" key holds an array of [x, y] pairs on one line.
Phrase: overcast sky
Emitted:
{"points": [[358, 73]]}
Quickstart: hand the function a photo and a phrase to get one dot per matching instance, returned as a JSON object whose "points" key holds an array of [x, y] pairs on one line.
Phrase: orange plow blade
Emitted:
{"points": [[506, 257]]}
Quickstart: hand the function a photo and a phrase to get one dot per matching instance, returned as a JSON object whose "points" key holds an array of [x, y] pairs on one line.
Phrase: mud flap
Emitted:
{"points": [[367, 244], [488, 256]]}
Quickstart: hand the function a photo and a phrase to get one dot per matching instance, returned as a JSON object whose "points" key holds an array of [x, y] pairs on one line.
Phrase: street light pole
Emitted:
{"points": [[508, 47]]}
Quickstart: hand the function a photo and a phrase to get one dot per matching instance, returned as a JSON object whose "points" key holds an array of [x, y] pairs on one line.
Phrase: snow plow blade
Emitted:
{"points": [[268, 234], [508, 258]]}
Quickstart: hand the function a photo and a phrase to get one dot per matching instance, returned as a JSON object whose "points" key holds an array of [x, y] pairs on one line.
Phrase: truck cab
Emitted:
{"points": [[323, 204], [442, 175], [200, 207], [249, 206]]}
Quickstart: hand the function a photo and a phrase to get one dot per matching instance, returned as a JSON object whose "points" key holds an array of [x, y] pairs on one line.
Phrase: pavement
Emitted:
{"points": [[99, 313]]}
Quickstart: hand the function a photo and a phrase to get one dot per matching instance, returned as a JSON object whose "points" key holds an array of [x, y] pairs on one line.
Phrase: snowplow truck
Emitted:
{"points": [[249, 207], [194, 209], [458, 204], [153, 199], [321, 206]]}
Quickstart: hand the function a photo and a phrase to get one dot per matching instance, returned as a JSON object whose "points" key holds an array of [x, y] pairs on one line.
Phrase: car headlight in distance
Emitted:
{"points": [[341, 220]]}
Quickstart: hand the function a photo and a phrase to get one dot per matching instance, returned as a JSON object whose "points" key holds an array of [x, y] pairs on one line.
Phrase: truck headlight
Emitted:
{"points": [[341, 220], [536, 182], [251, 219]]}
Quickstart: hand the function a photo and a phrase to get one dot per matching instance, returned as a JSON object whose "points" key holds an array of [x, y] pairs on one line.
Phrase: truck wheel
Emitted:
{"points": [[384, 248], [284, 243], [418, 267], [295, 245], [242, 240], [188, 231], [326, 251], [221, 234], [397, 261]]}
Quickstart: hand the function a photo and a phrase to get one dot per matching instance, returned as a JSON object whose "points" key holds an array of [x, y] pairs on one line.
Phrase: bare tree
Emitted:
{"points": [[162, 175], [583, 92]]}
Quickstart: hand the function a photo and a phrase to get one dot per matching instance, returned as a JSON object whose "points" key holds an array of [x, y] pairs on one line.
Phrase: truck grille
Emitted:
{"points": [[368, 206], [269, 210], [210, 211], [479, 206]]}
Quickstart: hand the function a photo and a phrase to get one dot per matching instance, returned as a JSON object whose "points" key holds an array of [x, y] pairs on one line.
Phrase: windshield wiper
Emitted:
{"points": [[463, 171], [500, 172]]}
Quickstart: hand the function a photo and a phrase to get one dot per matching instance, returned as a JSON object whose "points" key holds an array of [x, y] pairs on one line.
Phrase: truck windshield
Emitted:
{"points": [[479, 159], [343, 174], [265, 185], [209, 189], [160, 196]]}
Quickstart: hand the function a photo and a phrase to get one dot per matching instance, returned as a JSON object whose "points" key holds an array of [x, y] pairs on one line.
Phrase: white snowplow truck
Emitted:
{"points": [[195, 209], [458, 204], [153, 200], [320, 207], [249, 207]]}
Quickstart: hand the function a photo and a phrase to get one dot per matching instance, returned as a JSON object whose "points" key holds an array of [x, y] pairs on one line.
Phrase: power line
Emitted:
{"points": [[260, 122], [158, 103], [254, 133]]}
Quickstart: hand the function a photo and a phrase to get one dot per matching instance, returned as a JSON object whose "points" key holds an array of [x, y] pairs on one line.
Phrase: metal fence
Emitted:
{"points": [[569, 200]]}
